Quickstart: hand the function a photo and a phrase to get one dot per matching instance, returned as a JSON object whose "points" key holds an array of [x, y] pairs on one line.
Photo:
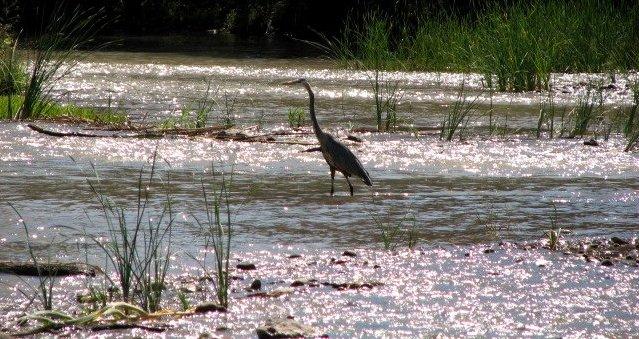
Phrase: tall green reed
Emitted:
{"points": [[139, 245], [217, 231], [457, 115], [54, 56], [516, 46]]}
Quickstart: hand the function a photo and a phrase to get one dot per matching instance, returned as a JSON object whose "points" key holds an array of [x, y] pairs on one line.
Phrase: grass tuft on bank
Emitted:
{"points": [[10, 105]]}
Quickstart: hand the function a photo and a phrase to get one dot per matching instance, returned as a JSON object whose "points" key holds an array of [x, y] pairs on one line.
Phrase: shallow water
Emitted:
{"points": [[461, 193]]}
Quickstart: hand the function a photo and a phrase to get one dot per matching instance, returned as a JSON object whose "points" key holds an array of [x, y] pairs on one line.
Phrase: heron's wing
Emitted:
{"points": [[344, 160]]}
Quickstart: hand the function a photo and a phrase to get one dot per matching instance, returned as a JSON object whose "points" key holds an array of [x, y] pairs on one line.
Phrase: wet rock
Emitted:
{"points": [[190, 288], [209, 307], [246, 266], [489, 250], [607, 262], [294, 256], [591, 142], [349, 254], [285, 328], [608, 87], [302, 282], [256, 285], [376, 266], [271, 294], [337, 262], [353, 138], [618, 241], [352, 286], [298, 283]]}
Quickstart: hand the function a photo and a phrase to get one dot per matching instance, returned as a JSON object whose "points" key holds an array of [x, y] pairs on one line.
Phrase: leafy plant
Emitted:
{"points": [[296, 117]]}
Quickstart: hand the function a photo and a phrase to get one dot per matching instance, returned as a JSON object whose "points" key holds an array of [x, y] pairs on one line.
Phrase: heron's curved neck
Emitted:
{"points": [[311, 110]]}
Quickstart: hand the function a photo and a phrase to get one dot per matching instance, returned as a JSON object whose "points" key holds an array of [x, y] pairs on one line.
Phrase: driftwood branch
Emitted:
{"points": [[54, 269]]}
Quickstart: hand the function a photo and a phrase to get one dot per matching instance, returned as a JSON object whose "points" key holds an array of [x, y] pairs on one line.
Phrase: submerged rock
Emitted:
{"points": [[349, 254], [591, 142], [285, 328], [209, 307], [246, 266], [618, 241], [607, 262], [256, 284]]}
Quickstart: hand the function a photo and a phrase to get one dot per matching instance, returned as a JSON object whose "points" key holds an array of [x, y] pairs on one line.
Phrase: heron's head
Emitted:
{"points": [[301, 81]]}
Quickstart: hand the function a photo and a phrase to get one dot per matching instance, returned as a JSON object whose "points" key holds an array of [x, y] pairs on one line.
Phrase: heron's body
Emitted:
{"points": [[336, 154]]}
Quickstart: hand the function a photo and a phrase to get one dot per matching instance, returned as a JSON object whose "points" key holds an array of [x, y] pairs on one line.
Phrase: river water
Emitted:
{"points": [[467, 193]]}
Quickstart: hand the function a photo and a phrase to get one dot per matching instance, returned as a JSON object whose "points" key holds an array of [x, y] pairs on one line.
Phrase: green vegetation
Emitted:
{"points": [[13, 72], [631, 127], [515, 47], [139, 248], [217, 233], [296, 117], [26, 95], [394, 233], [458, 115], [10, 106]]}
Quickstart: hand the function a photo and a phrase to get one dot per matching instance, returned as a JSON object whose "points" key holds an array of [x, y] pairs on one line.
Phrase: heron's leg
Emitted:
{"points": [[349, 184], [332, 181]]}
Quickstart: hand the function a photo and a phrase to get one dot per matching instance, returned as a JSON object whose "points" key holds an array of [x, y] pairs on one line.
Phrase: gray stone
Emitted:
{"points": [[209, 307], [285, 328]]}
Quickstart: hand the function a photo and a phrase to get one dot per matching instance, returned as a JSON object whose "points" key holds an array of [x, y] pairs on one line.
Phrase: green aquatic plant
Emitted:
{"points": [[457, 115], [9, 104], [547, 112], [139, 246], [228, 110], [296, 117], [13, 70], [588, 109], [394, 233], [631, 128], [54, 54], [217, 230], [386, 95], [515, 45]]}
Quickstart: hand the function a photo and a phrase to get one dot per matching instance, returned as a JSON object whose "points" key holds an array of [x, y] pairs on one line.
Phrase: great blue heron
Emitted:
{"points": [[338, 156]]}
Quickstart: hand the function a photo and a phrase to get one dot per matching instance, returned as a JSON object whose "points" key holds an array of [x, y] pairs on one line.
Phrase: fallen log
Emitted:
{"points": [[53, 269], [205, 132]]}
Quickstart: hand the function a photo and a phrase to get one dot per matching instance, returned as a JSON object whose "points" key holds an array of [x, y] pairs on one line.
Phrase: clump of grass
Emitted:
{"points": [[554, 234], [588, 109], [228, 110], [395, 233], [139, 243], [296, 117], [516, 45], [9, 105], [54, 56], [13, 71], [631, 127], [547, 112], [217, 232], [386, 95], [457, 115]]}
